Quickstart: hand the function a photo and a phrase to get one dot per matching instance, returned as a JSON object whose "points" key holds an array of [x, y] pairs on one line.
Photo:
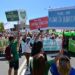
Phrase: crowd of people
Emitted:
{"points": [[31, 46]]}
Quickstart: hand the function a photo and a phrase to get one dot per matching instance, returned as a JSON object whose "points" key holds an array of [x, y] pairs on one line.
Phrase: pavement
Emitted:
{"points": [[4, 66]]}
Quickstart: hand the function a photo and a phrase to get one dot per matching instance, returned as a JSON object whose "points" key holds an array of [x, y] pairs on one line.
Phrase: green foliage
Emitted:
{"points": [[1, 27]]}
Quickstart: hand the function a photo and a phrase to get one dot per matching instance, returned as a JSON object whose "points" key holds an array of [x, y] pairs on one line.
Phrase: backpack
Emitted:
{"points": [[8, 53]]}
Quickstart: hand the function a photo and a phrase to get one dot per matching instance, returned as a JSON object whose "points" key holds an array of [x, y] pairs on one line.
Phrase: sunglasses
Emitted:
{"points": [[64, 61]]}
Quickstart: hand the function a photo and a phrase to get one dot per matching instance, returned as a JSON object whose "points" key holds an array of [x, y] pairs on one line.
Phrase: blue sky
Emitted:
{"points": [[34, 8]]}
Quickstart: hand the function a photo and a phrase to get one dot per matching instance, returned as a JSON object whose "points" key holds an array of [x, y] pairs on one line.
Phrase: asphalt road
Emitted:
{"points": [[4, 66]]}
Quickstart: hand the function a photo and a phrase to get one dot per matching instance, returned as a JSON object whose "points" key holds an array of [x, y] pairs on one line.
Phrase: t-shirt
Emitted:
{"points": [[53, 69], [23, 46], [27, 47], [14, 51], [72, 71], [48, 64]]}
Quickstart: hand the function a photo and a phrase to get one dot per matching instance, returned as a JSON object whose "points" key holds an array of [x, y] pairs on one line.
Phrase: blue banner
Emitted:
{"points": [[51, 45], [58, 18]]}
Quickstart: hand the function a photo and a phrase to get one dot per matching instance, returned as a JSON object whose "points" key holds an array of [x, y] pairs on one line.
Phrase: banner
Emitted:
{"points": [[22, 16], [39, 23], [71, 45], [52, 45], [12, 15], [63, 18], [16, 15]]}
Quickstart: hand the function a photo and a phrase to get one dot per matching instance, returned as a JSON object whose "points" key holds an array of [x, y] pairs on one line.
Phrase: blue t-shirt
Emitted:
{"points": [[72, 72], [54, 70]]}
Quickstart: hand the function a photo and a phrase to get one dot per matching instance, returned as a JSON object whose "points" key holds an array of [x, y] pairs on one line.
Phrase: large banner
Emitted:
{"points": [[39, 23], [52, 44], [62, 18]]}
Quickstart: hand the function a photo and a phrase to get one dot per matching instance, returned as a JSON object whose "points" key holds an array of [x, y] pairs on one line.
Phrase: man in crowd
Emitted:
{"points": [[14, 62]]}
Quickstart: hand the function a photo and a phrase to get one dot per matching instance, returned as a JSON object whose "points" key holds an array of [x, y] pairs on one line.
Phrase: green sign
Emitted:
{"points": [[12, 16], [71, 45]]}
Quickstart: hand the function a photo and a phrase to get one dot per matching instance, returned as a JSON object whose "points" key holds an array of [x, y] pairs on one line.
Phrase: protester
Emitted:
{"points": [[61, 66], [14, 62], [27, 50], [22, 44], [38, 60]]}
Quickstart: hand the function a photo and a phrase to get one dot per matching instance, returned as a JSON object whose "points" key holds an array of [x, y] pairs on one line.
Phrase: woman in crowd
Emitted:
{"points": [[60, 66], [37, 63]]}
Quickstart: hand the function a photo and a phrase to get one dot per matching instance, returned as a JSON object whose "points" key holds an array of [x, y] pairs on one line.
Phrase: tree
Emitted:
{"points": [[1, 27]]}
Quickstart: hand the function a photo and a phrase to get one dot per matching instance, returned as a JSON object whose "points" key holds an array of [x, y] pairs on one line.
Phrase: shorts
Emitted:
{"points": [[27, 54], [14, 64]]}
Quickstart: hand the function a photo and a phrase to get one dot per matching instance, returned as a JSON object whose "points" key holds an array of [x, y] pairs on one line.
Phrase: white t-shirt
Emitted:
{"points": [[23, 46], [27, 47]]}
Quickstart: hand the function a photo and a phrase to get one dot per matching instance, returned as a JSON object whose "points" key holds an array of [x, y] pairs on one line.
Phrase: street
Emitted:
{"points": [[22, 66], [4, 66]]}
